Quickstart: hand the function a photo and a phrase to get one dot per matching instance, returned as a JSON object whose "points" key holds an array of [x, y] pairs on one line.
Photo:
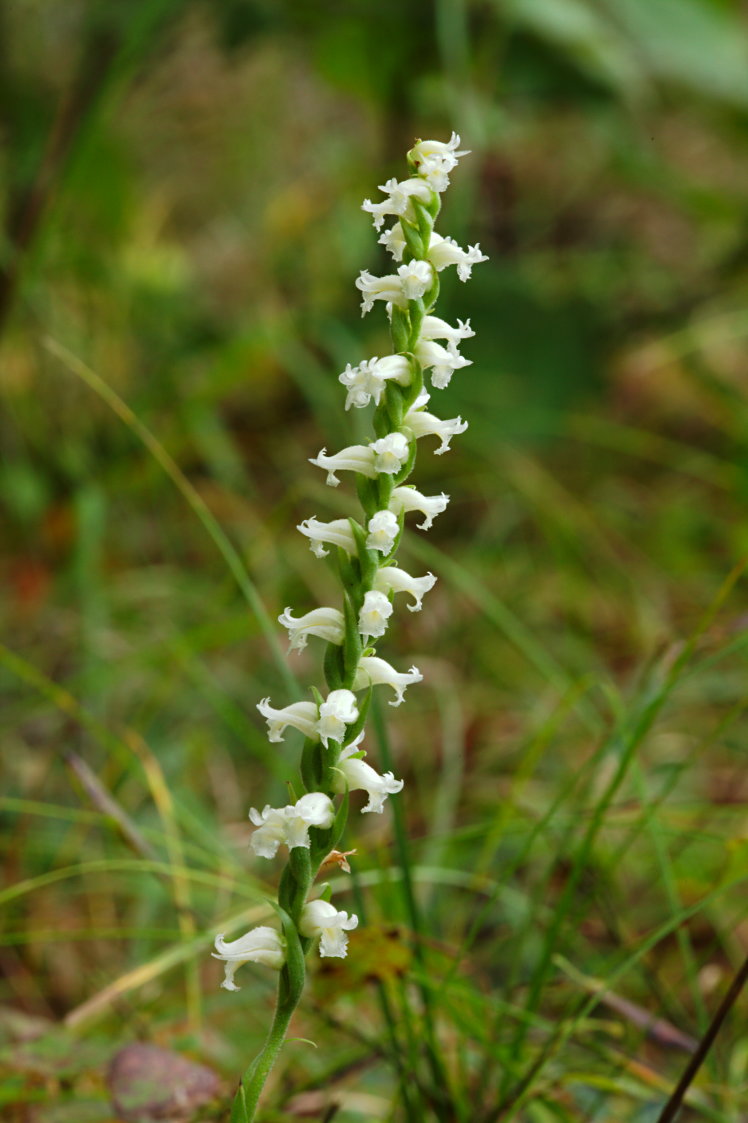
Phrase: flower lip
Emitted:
{"points": [[375, 612], [321, 919], [383, 529], [335, 713]]}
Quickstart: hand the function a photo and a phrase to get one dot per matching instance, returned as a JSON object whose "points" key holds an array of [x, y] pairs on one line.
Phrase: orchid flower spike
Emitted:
{"points": [[332, 764], [322, 920], [260, 945]]}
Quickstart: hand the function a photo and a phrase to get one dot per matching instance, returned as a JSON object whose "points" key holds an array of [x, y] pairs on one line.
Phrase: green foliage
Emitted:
{"points": [[180, 186]]}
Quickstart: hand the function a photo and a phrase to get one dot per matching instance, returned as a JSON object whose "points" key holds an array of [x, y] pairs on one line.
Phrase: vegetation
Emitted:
{"points": [[555, 923]]}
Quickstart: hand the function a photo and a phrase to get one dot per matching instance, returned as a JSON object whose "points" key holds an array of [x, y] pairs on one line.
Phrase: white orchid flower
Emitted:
{"points": [[367, 381], [373, 671], [410, 499], [326, 623], [375, 612], [300, 715], [260, 945], [399, 194], [393, 241], [335, 713], [320, 919], [409, 283], [355, 774], [390, 579], [383, 529], [443, 361], [434, 159], [432, 327], [355, 458], [445, 251], [336, 533], [289, 826], [423, 424], [391, 453]]}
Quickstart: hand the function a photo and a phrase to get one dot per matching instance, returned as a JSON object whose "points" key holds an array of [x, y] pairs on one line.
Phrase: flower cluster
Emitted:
{"points": [[332, 762]]}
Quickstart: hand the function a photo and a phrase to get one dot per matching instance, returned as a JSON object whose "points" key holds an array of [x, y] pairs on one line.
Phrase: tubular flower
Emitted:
{"points": [[335, 533], [260, 945], [338, 711], [289, 826], [376, 672], [445, 251], [399, 195], [409, 283], [408, 499], [390, 579], [367, 381], [435, 159], [435, 328], [374, 614], [390, 453], [356, 774], [321, 919], [393, 241], [326, 623], [299, 715], [423, 424], [443, 361], [355, 458], [383, 530]]}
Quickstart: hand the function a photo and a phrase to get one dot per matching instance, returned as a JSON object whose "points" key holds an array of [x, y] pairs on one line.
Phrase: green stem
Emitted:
{"points": [[253, 1081]]}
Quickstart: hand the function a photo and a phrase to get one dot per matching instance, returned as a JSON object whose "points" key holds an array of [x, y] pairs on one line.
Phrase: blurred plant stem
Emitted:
{"points": [[29, 200], [110, 44], [673, 1105]]}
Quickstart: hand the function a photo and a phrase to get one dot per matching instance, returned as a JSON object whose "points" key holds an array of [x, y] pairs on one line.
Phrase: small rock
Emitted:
{"points": [[150, 1084]]}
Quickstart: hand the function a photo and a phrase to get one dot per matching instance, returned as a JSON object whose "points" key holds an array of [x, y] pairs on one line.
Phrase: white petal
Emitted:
{"points": [[375, 612], [300, 715], [383, 529], [336, 712], [335, 533], [373, 671], [391, 579]]}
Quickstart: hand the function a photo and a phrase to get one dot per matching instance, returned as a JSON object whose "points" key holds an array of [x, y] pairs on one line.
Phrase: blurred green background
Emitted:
{"points": [[181, 184]]}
